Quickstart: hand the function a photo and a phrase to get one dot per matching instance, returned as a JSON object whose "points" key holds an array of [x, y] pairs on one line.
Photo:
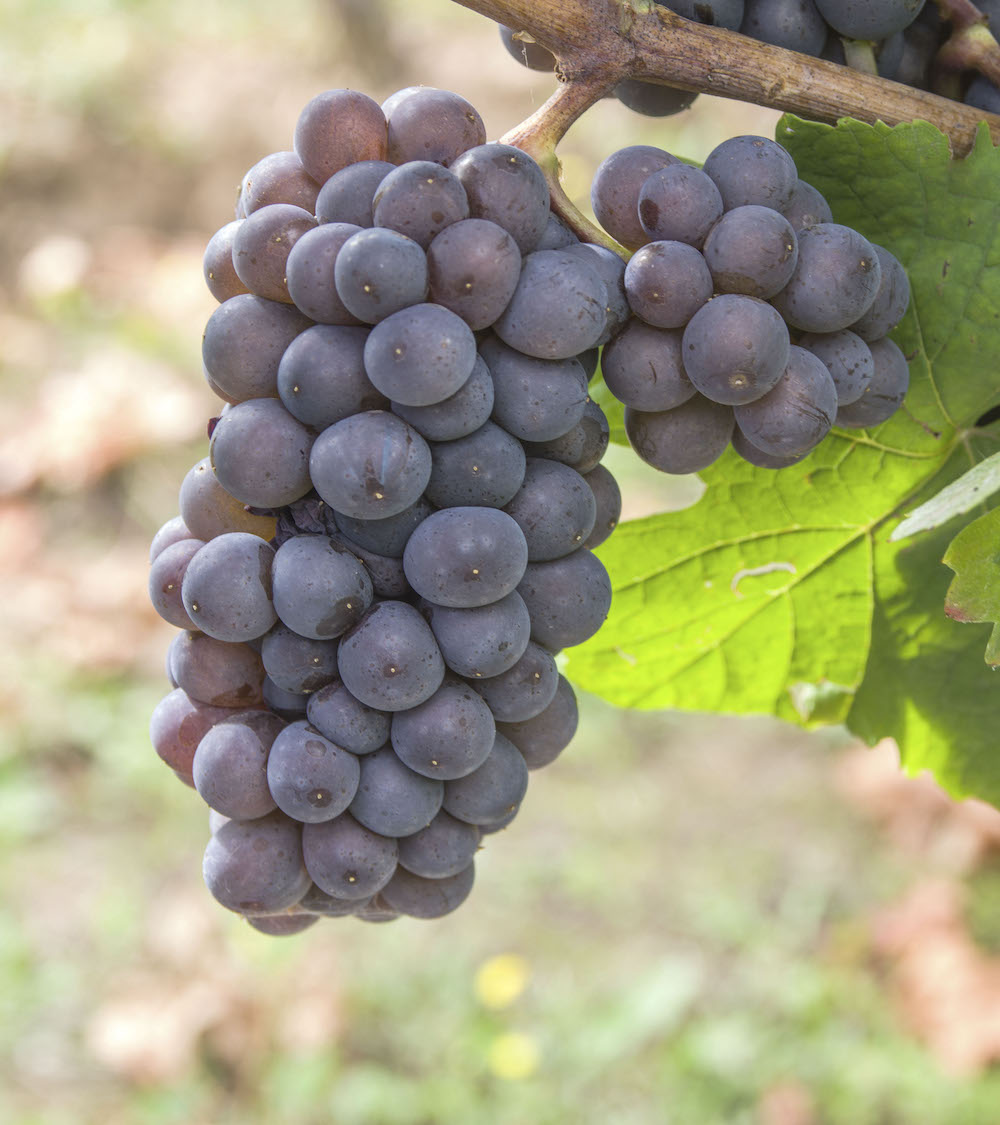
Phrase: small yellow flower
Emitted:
{"points": [[501, 980]]}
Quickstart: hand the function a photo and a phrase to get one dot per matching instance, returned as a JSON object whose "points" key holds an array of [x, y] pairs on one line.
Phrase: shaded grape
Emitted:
{"points": [[310, 778], [667, 283], [209, 510], [255, 866], [227, 587], [848, 359], [348, 722], [347, 196], [490, 792], [347, 860], [310, 273], [298, 664], [568, 599], [392, 800], [430, 124], [459, 414], [485, 468], [796, 413], [525, 689], [481, 640], [445, 847], [686, 439], [474, 266], [608, 499], [617, 185], [262, 245], [217, 264], [427, 898], [446, 736], [419, 199], [679, 203], [260, 454], [554, 508], [643, 367], [378, 272], [884, 394], [319, 588], [166, 576], [278, 177], [752, 170], [534, 399], [543, 738], [211, 671], [230, 764], [387, 536], [891, 300], [178, 724], [322, 378], [751, 250]]}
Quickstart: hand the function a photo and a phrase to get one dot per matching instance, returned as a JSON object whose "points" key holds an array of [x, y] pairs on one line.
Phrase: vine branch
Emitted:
{"points": [[599, 43]]}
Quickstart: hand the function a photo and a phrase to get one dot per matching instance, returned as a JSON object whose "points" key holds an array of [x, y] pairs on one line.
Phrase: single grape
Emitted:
{"points": [[807, 207], [795, 25], [568, 599], [482, 640], [667, 283], [310, 778], [465, 556], [227, 587], [387, 536], [260, 454], [557, 235], [869, 19], [797, 413], [835, 281], [608, 499], [347, 860], [370, 465], [378, 272], [686, 439], [558, 307], [392, 800], [217, 264], [447, 736], [679, 203], [643, 367], [503, 184], [483, 469], [311, 270], [262, 245], [420, 355], [347, 195], [419, 199], [848, 359], [278, 178], [554, 508], [281, 925], [427, 898], [474, 267], [296, 663], [390, 659], [751, 250], [525, 689], [255, 866], [582, 446], [534, 399], [320, 589], [337, 128], [429, 124], [752, 170], [458, 415], [528, 53], [346, 721], [290, 705], [445, 847], [209, 510], [173, 531], [653, 99], [244, 341], [490, 792], [215, 672], [230, 764], [891, 300], [735, 349], [749, 452], [322, 379]]}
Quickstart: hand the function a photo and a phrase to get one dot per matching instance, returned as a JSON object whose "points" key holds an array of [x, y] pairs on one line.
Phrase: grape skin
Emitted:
{"points": [[419, 199], [322, 378], [667, 283], [608, 500], [347, 860], [796, 413], [503, 184], [211, 671], [751, 250], [525, 689], [458, 415], [483, 640], [679, 203], [534, 399], [370, 465], [447, 736], [320, 589], [347, 196], [346, 721], [390, 659], [483, 469], [848, 359], [543, 738], [429, 124], [230, 765], [377, 272], [474, 266], [209, 510], [465, 556], [310, 778], [165, 578], [217, 264], [295, 663], [427, 898], [568, 599], [616, 187], [255, 866], [392, 800], [752, 169], [884, 394], [643, 368], [310, 274], [337, 128], [686, 439], [445, 847], [489, 793], [262, 245], [735, 349], [227, 587], [554, 508]]}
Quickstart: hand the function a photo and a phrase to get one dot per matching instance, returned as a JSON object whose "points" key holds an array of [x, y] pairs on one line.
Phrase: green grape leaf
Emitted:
{"points": [[781, 592], [957, 498], [974, 594]]}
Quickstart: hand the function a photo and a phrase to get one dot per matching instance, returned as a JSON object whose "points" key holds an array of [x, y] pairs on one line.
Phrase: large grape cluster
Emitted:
{"points": [[390, 539], [905, 37], [756, 320]]}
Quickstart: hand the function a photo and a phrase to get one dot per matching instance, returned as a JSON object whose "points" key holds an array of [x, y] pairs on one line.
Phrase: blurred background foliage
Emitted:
{"points": [[694, 920]]}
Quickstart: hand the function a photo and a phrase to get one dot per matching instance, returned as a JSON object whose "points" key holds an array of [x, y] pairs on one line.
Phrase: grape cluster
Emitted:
{"points": [[755, 320], [390, 539], [905, 37]]}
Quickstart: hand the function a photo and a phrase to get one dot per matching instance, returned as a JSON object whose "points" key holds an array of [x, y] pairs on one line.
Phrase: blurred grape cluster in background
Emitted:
{"points": [[693, 920]]}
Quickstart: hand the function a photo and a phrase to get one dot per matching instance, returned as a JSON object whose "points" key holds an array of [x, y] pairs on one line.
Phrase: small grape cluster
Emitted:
{"points": [[901, 37], [757, 319], [390, 539]]}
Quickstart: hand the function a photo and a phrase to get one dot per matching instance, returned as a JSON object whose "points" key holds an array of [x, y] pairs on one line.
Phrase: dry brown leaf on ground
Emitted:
{"points": [[946, 988], [787, 1103], [916, 812]]}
